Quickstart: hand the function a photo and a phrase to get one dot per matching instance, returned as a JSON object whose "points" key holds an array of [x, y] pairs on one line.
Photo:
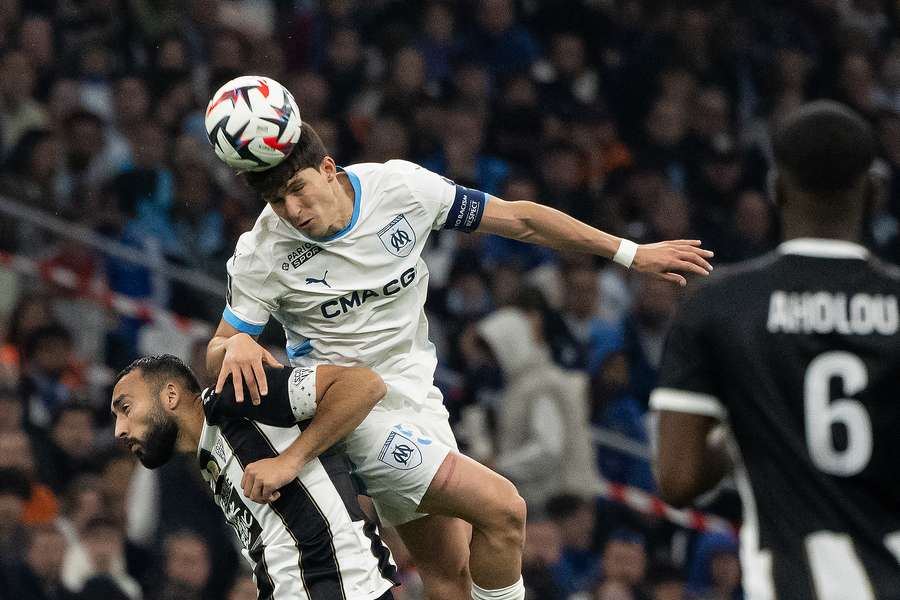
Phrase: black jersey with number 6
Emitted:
{"points": [[799, 353]]}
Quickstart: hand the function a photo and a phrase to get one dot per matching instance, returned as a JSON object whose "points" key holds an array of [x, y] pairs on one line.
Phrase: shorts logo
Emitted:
{"points": [[398, 236], [400, 452]]}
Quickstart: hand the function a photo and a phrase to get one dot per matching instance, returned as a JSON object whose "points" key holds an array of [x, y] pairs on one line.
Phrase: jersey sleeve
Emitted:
{"points": [[291, 399], [249, 300], [687, 376], [450, 206]]}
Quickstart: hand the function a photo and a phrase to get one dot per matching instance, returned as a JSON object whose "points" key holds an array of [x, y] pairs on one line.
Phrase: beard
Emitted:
{"points": [[159, 446]]}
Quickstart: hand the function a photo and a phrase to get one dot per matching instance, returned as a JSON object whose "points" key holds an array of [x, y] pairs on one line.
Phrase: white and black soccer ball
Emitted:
{"points": [[253, 123]]}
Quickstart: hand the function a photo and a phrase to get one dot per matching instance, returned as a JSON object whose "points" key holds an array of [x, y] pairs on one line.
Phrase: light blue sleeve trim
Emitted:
{"points": [[357, 201], [239, 324]]}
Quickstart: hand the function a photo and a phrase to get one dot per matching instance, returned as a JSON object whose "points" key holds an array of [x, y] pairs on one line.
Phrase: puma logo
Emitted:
{"points": [[322, 281]]}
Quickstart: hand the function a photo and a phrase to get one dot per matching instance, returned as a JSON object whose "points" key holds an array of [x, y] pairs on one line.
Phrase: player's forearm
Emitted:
{"points": [[342, 408], [215, 354], [688, 466], [538, 224]]}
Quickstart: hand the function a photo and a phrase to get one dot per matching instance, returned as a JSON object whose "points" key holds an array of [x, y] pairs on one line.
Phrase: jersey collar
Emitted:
{"points": [[823, 248]]}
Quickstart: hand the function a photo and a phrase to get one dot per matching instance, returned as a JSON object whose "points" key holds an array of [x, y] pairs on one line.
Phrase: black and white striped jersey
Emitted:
{"points": [[314, 542], [799, 352]]}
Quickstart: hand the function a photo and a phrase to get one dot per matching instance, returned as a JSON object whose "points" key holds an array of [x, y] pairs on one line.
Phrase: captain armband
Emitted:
{"points": [[302, 393]]}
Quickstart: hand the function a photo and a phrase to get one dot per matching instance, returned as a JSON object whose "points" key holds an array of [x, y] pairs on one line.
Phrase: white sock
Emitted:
{"points": [[514, 592]]}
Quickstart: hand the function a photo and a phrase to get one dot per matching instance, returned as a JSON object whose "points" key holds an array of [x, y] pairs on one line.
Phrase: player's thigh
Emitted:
{"points": [[465, 488], [439, 545], [396, 454]]}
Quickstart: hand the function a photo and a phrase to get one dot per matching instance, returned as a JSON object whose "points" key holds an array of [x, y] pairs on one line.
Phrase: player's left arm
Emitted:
{"points": [[539, 224]]}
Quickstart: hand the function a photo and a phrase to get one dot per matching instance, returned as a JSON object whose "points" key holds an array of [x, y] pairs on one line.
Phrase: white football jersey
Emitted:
{"points": [[357, 297]]}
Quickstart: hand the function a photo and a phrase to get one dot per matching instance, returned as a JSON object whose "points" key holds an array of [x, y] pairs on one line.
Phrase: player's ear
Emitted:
{"points": [[171, 397], [328, 168]]}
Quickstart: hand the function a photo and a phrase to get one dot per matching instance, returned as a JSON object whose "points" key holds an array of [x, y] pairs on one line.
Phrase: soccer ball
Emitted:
{"points": [[252, 123]]}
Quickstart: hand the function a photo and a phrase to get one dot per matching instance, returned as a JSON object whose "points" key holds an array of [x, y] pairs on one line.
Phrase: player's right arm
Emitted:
{"points": [[235, 353], [691, 457], [336, 399], [250, 298]]}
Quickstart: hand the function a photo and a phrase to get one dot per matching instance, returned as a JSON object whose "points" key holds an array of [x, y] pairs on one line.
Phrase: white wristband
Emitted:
{"points": [[625, 254], [302, 393]]}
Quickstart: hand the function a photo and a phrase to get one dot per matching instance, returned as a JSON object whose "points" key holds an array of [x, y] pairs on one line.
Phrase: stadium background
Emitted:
{"points": [[641, 118]]}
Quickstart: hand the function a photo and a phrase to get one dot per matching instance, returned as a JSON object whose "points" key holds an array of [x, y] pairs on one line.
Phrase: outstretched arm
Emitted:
{"points": [[538, 224]]}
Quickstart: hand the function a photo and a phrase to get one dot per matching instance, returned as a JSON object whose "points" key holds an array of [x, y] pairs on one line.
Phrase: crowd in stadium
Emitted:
{"points": [[642, 119]]}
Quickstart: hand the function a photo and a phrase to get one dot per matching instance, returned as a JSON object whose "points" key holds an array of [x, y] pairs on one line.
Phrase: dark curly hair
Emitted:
{"points": [[307, 153]]}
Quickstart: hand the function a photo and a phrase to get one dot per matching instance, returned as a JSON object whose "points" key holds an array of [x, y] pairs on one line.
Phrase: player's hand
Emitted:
{"points": [[244, 360], [265, 477], [665, 259]]}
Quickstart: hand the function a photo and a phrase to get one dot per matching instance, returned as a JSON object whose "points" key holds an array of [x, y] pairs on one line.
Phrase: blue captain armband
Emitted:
{"points": [[468, 207]]}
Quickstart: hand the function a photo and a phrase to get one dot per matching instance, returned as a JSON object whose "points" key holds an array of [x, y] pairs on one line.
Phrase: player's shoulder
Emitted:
{"points": [[885, 270], [254, 248], [376, 169], [397, 182], [733, 279]]}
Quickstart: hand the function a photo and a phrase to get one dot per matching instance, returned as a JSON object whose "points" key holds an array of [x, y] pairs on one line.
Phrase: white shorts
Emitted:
{"points": [[396, 453]]}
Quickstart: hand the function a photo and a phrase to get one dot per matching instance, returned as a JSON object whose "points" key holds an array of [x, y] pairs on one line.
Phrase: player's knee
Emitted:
{"points": [[506, 523]]}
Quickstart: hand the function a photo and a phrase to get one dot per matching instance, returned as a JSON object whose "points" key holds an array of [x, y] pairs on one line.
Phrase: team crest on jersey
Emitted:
{"points": [[400, 452], [398, 237]]}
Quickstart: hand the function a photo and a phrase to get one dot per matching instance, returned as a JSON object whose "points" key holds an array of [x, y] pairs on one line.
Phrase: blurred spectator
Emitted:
{"points": [[90, 160], [614, 408], [625, 560], [462, 158], [543, 550], [312, 93], [16, 453], [543, 442], [563, 182], [715, 570], [578, 570], [49, 373], [502, 44], [186, 567], [344, 67], [37, 575], [19, 111], [11, 412], [438, 43], [667, 583], [568, 83], [663, 144], [69, 447], [387, 139], [645, 332], [15, 491], [100, 553]]}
